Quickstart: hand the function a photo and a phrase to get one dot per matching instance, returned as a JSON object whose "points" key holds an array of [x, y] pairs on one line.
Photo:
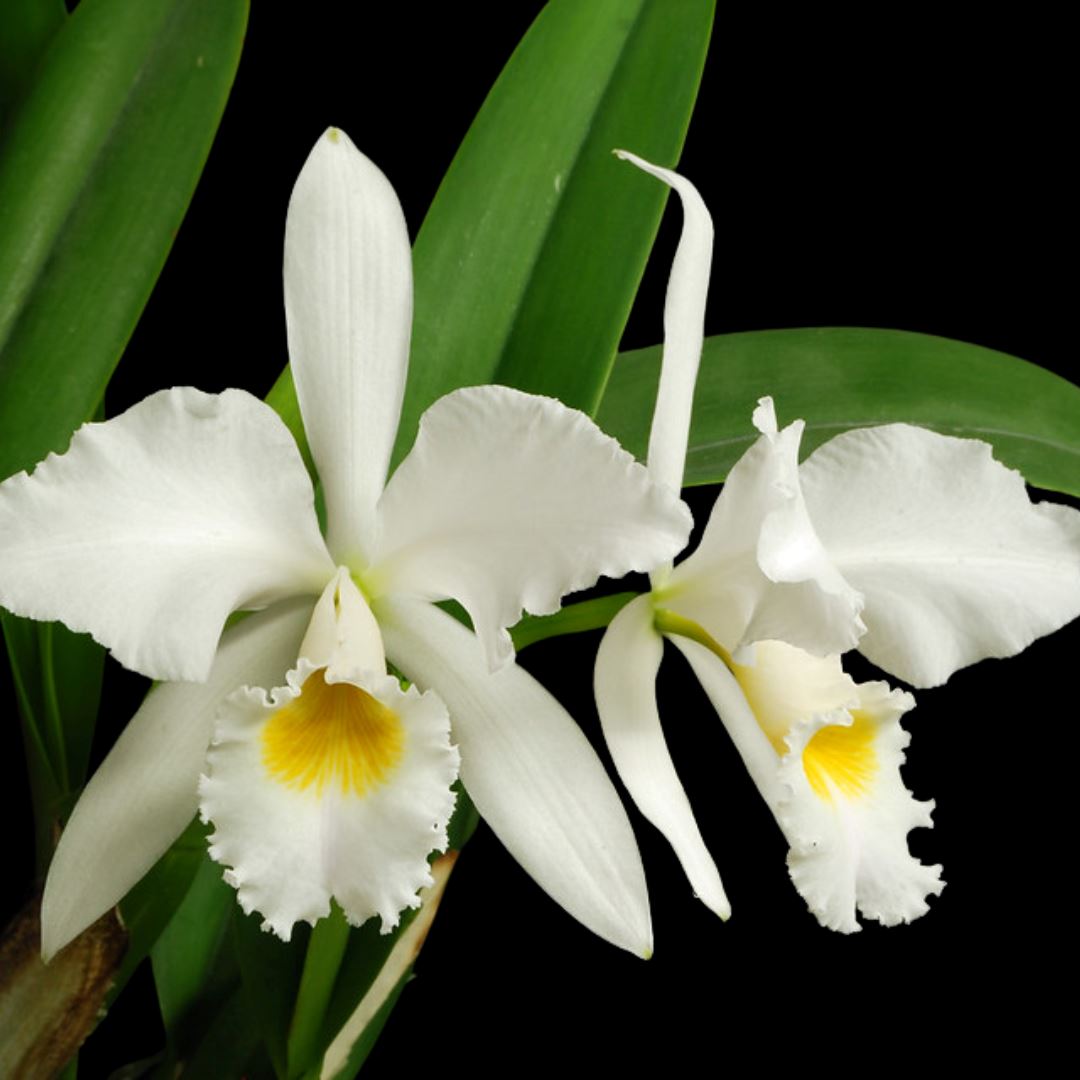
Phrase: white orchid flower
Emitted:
{"points": [[157, 524], [918, 549]]}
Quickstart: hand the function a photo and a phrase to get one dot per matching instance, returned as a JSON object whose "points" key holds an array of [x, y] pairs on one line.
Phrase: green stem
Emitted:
{"points": [[572, 619], [325, 951]]}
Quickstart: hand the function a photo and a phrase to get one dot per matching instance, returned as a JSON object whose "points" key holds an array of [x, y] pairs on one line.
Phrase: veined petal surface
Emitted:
{"points": [[760, 571], [625, 684], [146, 791], [955, 561], [157, 524], [329, 787], [348, 309], [508, 501], [531, 773]]}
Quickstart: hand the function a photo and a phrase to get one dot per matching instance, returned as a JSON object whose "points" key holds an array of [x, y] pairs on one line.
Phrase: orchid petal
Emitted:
{"points": [[825, 754], [625, 683], [848, 828], [753, 744], [345, 799], [760, 571], [145, 792], [508, 501], [954, 560], [348, 307], [157, 524], [684, 329], [531, 772]]}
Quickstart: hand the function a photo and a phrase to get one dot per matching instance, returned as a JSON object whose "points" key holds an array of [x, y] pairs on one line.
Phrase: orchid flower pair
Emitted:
{"points": [[917, 549], [322, 777]]}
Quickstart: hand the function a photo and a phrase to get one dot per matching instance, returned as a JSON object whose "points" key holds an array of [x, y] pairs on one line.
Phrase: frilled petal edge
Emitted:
{"points": [[157, 524], [329, 788], [508, 501], [955, 561]]}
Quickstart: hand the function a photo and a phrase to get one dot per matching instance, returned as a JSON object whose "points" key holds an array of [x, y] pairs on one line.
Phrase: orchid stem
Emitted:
{"points": [[572, 619]]}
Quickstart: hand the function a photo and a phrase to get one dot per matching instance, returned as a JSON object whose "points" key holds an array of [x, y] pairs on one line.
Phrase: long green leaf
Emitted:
{"points": [[147, 909], [839, 378], [190, 980], [26, 29], [96, 170], [271, 972], [97, 166], [528, 260]]}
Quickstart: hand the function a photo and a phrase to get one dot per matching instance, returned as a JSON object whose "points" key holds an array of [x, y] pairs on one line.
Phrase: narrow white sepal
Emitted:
{"points": [[157, 524], [509, 501], [684, 329], [954, 560], [531, 773], [625, 685], [348, 308], [727, 698], [145, 792]]}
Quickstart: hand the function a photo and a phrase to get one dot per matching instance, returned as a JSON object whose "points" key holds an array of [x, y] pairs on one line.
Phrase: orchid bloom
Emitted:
{"points": [[918, 549], [157, 524]]}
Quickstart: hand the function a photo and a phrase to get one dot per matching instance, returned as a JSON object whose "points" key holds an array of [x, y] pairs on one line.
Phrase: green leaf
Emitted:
{"points": [[528, 260], [92, 194], [26, 28], [190, 980], [840, 378], [57, 676], [363, 1046], [149, 907], [228, 1044], [271, 971], [325, 952]]}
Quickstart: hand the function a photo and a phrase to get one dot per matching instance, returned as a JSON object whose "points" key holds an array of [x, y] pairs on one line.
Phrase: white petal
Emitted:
{"points": [[955, 562], [531, 773], [760, 571], [750, 739], [625, 684], [348, 307], [351, 822], [684, 329], [145, 792], [849, 846], [842, 807], [157, 524], [508, 501]]}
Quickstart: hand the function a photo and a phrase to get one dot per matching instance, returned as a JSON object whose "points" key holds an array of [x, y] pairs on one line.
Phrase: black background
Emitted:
{"points": [[903, 174]]}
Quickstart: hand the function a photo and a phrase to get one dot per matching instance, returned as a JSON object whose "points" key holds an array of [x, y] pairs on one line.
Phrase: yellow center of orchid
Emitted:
{"points": [[333, 733], [841, 759]]}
